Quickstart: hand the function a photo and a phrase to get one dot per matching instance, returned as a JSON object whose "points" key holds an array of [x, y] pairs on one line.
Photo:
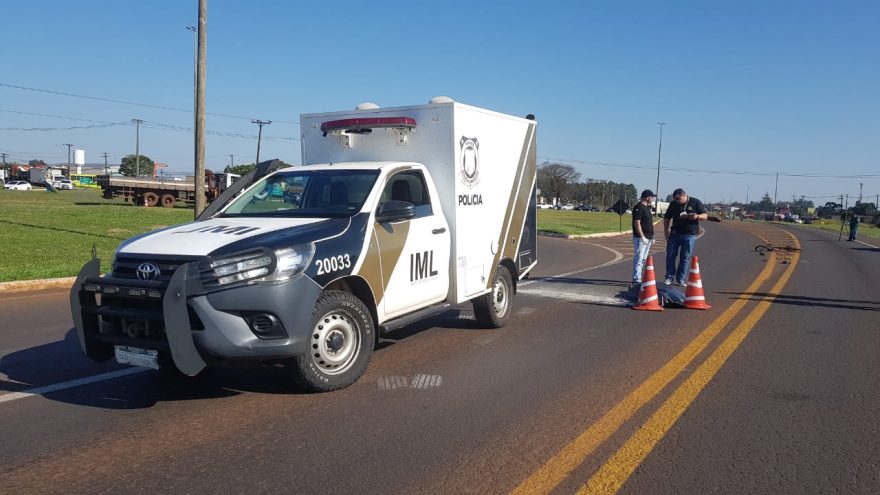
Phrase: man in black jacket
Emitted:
{"points": [[643, 234], [684, 214]]}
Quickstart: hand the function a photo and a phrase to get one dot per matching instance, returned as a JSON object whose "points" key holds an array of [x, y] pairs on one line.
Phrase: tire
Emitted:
{"points": [[168, 201], [339, 321], [150, 199], [493, 310]]}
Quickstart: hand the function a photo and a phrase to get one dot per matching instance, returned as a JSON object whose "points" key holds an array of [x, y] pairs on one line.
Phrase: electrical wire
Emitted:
{"points": [[710, 171], [123, 102]]}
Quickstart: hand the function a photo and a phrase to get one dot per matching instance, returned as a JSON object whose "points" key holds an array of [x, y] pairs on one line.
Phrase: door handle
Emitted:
{"points": [[439, 231]]}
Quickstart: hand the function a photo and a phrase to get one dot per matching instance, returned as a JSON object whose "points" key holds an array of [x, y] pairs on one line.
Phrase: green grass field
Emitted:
{"points": [[582, 222], [46, 235]]}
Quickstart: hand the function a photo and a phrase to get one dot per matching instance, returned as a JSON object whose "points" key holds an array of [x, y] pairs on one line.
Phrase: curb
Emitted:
{"points": [[34, 285], [579, 236]]}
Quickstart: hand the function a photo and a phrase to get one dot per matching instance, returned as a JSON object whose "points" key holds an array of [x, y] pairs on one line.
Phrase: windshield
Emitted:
{"points": [[314, 193]]}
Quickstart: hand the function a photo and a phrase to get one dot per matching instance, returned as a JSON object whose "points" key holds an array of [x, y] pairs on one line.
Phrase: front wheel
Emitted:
{"points": [[340, 344], [494, 309]]}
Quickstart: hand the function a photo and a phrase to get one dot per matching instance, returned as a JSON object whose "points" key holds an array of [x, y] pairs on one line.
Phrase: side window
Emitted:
{"points": [[409, 186]]}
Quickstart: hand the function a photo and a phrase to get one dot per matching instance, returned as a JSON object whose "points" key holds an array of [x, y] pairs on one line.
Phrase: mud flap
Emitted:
{"points": [[177, 329], [96, 351]]}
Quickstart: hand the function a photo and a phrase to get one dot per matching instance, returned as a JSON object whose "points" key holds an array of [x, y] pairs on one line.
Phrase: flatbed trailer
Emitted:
{"points": [[160, 191]]}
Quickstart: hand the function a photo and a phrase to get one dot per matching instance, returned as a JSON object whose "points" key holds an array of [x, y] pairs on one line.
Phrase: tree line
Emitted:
{"points": [[560, 183]]}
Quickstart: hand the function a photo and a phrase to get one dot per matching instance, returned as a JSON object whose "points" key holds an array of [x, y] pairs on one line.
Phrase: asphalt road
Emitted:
{"points": [[773, 390]]}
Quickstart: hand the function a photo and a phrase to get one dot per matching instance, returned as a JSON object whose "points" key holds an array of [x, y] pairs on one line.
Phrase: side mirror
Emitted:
{"points": [[392, 211]]}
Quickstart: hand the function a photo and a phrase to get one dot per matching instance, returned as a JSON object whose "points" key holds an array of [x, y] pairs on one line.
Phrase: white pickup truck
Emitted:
{"points": [[395, 214]]}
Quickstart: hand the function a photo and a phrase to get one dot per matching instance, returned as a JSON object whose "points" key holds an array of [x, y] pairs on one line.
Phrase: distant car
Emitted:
{"points": [[18, 185], [585, 208], [567, 206], [544, 206], [62, 184]]}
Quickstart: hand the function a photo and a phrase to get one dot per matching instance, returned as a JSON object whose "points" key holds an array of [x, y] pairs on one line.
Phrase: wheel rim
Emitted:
{"points": [[335, 342], [500, 296]]}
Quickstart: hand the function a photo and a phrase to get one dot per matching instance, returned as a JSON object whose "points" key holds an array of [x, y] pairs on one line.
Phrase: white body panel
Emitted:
{"points": [[476, 159], [200, 238]]}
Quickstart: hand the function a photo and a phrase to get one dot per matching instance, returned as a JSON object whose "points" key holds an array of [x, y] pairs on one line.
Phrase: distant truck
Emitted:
{"points": [[42, 176], [155, 191]]}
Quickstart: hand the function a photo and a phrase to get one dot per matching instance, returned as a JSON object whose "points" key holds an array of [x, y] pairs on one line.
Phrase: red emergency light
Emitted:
{"points": [[366, 123]]}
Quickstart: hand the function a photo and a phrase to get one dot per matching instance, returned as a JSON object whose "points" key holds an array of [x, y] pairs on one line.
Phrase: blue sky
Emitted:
{"points": [[765, 87]]}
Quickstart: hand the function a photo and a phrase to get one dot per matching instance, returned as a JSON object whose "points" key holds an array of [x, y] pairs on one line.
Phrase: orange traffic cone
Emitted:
{"points": [[694, 297], [648, 292]]}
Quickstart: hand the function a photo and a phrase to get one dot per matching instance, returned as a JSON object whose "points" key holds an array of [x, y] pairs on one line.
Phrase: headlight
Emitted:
{"points": [[260, 266], [291, 261], [240, 268]]}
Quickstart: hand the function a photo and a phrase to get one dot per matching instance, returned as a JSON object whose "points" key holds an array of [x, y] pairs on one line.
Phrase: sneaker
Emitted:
{"points": [[668, 281], [680, 283]]}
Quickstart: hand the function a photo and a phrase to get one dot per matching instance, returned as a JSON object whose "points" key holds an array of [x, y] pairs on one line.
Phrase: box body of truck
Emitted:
{"points": [[483, 164]]}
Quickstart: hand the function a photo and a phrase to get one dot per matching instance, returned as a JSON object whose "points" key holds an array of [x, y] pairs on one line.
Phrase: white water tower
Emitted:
{"points": [[79, 159]]}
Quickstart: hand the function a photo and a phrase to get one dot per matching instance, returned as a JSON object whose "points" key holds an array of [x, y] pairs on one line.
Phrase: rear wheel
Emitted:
{"points": [[340, 344], [150, 199], [494, 309], [168, 201]]}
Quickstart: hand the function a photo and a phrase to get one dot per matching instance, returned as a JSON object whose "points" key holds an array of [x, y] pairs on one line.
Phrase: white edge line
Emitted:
{"points": [[71, 384], [617, 257]]}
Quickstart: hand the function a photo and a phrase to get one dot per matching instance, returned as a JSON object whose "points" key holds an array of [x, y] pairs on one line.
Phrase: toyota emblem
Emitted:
{"points": [[147, 271]]}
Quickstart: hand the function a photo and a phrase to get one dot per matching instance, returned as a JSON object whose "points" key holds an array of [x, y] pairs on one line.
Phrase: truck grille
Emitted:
{"points": [[127, 267]]}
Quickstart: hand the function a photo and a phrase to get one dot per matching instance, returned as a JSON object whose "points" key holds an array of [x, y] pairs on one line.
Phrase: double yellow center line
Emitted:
{"points": [[614, 473]]}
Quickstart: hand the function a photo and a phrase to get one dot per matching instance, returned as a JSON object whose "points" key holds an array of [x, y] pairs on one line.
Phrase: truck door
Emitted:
{"points": [[420, 276]]}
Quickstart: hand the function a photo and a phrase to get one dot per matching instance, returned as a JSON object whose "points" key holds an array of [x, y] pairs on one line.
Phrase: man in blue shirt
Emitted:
{"points": [[684, 214]]}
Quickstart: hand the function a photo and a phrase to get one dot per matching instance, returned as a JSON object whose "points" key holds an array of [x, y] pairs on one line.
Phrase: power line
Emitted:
{"points": [[123, 102], [711, 171], [152, 125], [49, 129]]}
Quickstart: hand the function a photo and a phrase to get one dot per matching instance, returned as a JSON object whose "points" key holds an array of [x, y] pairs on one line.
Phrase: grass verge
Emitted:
{"points": [[582, 222], [47, 235]]}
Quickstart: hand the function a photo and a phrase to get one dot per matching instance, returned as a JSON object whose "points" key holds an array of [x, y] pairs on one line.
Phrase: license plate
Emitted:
{"points": [[146, 358]]}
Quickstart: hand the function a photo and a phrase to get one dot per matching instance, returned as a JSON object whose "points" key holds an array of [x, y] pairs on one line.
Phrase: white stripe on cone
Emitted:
{"points": [[695, 298], [698, 283], [647, 299]]}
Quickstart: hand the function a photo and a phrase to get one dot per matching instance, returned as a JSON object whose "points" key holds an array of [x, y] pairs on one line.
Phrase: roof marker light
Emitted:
{"points": [[368, 123]]}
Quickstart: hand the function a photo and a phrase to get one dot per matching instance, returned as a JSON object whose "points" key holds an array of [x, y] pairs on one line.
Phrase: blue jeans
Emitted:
{"points": [[640, 254], [682, 247]]}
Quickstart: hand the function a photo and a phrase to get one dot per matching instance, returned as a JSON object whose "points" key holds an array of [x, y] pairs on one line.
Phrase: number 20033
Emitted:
{"points": [[336, 263]]}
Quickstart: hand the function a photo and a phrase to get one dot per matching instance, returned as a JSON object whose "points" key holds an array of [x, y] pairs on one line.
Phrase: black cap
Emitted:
{"points": [[647, 193], [678, 192]]}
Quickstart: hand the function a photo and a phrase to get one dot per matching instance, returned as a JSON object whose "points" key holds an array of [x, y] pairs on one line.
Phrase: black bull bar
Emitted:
{"points": [[184, 283]]}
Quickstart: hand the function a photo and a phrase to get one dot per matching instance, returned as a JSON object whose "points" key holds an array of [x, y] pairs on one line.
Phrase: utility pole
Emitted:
{"points": [[231, 161], [860, 191], [775, 190], [201, 76], [747, 194], [659, 149], [802, 205], [68, 156], [106, 168], [137, 146], [260, 123]]}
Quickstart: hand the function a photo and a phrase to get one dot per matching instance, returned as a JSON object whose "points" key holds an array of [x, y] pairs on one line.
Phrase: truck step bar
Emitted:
{"points": [[414, 317]]}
